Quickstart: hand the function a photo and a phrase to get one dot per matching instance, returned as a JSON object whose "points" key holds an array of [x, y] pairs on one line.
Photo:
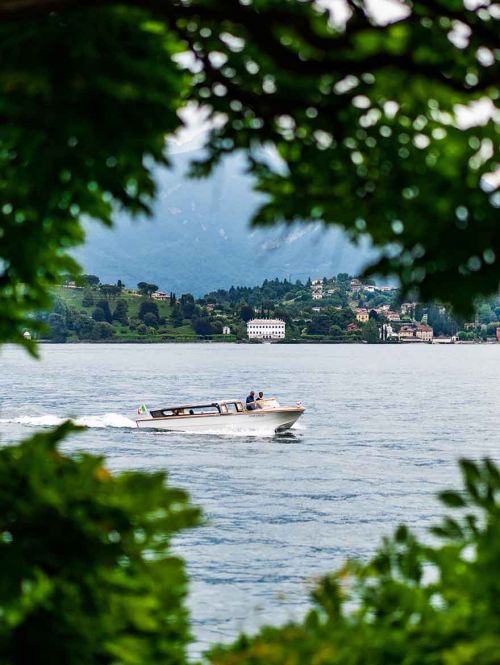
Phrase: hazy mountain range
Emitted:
{"points": [[199, 239]]}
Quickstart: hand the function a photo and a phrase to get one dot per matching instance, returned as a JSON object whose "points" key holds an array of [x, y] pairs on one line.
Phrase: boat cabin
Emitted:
{"points": [[222, 408], [213, 409]]}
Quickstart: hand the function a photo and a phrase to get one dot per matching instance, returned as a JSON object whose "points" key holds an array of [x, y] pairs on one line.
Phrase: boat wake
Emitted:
{"points": [[118, 421], [103, 421]]}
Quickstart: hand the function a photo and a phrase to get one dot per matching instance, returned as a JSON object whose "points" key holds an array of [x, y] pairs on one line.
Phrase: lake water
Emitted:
{"points": [[383, 429]]}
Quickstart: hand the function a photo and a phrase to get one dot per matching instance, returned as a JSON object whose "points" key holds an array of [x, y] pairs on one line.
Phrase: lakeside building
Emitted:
{"points": [[419, 332], [160, 295], [317, 295], [356, 285], [226, 330], [362, 315], [425, 332], [387, 333], [266, 329]]}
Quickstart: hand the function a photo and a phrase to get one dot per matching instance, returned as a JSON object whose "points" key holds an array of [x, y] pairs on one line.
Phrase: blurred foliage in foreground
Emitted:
{"points": [[86, 99], [351, 123], [362, 124], [413, 604], [87, 575]]}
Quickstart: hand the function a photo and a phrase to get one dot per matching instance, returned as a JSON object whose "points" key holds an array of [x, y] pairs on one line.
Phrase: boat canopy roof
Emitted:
{"points": [[220, 402], [202, 405]]}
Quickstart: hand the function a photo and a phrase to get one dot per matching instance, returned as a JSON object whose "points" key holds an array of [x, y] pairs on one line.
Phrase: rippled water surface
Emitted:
{"points": [[383, 428]]}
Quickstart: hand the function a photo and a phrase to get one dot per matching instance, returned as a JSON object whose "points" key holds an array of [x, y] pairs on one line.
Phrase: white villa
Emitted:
{"points": [[160, 295], [226, 330], [266, 329]]}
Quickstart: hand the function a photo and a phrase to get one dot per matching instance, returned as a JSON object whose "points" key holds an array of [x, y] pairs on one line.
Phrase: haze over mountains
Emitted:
{"points": [[199, 239]]}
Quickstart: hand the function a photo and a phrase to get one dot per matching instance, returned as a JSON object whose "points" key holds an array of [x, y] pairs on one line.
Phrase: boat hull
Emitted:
{"points": [[258, 422]]}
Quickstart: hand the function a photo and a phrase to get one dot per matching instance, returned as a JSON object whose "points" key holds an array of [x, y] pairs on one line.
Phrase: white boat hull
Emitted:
{"points": [[258, 422]]}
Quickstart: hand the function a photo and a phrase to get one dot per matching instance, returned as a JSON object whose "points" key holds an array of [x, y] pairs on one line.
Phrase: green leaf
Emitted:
{"points": [[452, 499]]}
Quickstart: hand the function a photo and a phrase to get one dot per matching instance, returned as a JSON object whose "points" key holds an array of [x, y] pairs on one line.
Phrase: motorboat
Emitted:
{"points": [[225, 416]]}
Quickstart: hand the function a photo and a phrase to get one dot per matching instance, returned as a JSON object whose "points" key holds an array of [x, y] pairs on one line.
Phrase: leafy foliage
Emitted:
{"points": [[364, 124], [148, 308], [147, 289], [412, 603], [120, 312], [86, 99], [87, 572]]}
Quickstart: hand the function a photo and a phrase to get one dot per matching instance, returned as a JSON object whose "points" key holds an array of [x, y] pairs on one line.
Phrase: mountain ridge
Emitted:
{"points": [[199, 239]]}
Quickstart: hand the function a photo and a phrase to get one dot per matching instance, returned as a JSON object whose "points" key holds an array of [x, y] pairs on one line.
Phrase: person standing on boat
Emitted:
{"points": [[250, 402]]}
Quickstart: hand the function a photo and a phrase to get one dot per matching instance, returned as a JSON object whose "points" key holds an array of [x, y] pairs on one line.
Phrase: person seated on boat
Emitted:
{"points": [[191, 412], [259, 398], [250, 401]]}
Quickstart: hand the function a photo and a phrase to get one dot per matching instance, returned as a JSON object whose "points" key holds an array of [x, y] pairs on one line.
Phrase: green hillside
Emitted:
{"points": [[87, 314]]}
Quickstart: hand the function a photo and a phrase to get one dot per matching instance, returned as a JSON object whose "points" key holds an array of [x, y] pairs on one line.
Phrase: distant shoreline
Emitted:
{"points": [[279, 343]]}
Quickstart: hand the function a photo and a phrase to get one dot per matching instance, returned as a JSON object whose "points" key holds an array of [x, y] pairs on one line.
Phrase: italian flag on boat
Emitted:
{"points": [[142, 409]]}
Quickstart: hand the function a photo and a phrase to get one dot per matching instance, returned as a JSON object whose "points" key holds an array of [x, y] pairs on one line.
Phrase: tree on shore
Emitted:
{"points": [[177, 316], [371, 333], [103, 305], [148, 308], [88, 280], [146, 289], [109, 290], [58, 328], [246, 313], [88, 299], [121, 312]]}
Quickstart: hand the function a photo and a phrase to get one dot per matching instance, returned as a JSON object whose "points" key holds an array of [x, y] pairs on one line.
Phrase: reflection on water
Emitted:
{"points": [[382, 430]]}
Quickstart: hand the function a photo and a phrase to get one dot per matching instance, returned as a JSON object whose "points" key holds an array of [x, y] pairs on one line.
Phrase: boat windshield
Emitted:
{"points": [[268, 403], [232, 407]]}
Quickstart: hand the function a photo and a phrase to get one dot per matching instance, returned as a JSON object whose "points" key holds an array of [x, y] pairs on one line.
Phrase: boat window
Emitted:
{"points": [[208, 409], [234, 407], [162, 413], [179, 412]]}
